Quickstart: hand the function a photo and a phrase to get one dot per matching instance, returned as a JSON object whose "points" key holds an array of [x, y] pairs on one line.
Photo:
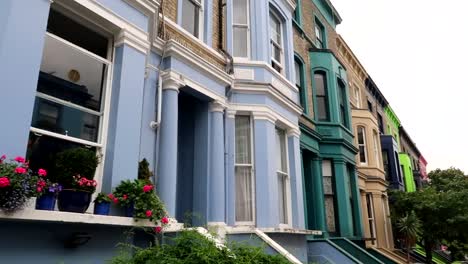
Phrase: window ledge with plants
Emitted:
{"points": [[29, 192]]}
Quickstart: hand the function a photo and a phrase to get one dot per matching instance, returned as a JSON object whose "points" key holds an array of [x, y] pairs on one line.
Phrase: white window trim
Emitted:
{"points": [[201, 19], [234, 25], [357, 96], [288, 182], [377, 153], [364, 144], [372, 228], [280, 45], [101, 144], [252, 171]]}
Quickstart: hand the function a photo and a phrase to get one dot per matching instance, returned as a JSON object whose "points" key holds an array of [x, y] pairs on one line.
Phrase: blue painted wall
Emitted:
{"points": [[22, 30], [127, 11], [390, 146]]}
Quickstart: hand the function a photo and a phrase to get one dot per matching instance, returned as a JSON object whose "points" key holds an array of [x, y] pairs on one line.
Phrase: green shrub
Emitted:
{"points": [[144, 173], [190, 247], [72, 162]]}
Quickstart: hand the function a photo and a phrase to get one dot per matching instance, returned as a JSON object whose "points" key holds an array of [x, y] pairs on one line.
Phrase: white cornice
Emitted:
{"points": [[264, 112], [146, 6], [216, 106], [171, 80], [126, 37]]}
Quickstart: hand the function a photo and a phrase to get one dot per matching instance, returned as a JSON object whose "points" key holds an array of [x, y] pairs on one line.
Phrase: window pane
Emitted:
{"points": [[322, 107], [240, 41], [297, 69], [319, 80], [361, 135], [70, 75], [330, 213], [240, 12], [282, 199], [244, 198], [275, 26], [42, 151], [362, 154], [318, 32], [276, 52], [281, 151], [243, 142], [190, 16], [64, 120]]}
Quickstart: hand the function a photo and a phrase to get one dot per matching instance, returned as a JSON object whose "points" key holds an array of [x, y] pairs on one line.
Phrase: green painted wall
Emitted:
{"points": [[327, 11], [405, 162], [393, 124], [331, 140]]}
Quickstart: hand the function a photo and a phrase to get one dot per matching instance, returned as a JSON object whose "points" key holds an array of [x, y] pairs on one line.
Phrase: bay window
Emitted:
{"points": [[69, 104], [241, 30], [276, 41], [283, 177], [244, 186], [192, 16]]}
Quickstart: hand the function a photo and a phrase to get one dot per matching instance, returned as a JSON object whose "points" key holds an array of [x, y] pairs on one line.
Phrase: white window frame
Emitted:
{"points": [[371, 220], [247, 26], [252, 171], [279, 64], [287, 178], [357, 96], [377, 153], [201, 17], [364, 144], [104, 112]]}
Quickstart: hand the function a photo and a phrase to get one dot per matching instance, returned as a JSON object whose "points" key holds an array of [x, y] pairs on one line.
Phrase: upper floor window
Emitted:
{"points": [[330, 197], [342, 103], [283, 177], [192, 16], [370, 106], [380, 121], [297, 12], [376, 149], [300, 82], [319, 34], [357, 97], [370, 216], [362, 144], [320, 82], [241, 28], [276, 40]]}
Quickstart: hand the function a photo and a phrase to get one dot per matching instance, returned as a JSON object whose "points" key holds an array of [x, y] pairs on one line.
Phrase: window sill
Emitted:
{"points": [[67, 217], [280, 229]]}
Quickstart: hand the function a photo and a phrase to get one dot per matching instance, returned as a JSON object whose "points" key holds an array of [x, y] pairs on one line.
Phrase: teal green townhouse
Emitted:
{"points": [[213, 94]]}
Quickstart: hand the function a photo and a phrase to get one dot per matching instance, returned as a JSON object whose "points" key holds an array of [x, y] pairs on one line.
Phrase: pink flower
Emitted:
{"points": [[165, 220], [3, 157], [149, 213], [158, 229], [147, 188], [124, 197], [94, 183], [4, 182], [20, 170], [111, 196], [20, 159], [42, 172], [39, 189], [41, 183], [116, 201]]}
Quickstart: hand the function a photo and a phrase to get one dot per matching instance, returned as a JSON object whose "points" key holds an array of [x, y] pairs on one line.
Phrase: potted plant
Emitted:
{"points": [[125, 195], [74, 169], [102, 203], [17, 183], [46, 193]]}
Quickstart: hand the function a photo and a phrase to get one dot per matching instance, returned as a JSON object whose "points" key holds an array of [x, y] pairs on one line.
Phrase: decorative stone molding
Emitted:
{"points": [[294, 132], [231, 113], [263, 115], [126, 37], [171, 81], [216, 106]]}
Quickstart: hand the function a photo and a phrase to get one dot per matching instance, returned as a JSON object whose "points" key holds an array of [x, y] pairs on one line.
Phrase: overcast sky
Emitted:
{"points": [[417, 53]]}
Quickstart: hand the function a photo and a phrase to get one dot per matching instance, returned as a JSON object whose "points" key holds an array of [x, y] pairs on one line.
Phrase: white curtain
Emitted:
{"points": [[244, 196]]}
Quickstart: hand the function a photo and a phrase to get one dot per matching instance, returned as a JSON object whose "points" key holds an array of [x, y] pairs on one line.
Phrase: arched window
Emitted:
{"points": [[361, 132], [320, 82]]}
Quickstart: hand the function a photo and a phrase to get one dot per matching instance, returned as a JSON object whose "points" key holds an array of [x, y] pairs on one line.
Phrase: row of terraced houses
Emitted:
{"points": [[255, 115]]}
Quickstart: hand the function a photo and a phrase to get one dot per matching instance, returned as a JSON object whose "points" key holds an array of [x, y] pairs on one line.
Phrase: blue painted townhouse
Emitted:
{"points": [[203, 89]]}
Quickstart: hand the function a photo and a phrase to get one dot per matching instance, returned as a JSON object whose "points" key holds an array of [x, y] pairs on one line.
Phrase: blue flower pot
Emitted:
{"points": [[46, 202], [73, 201], [101, 208], [129, 210]]}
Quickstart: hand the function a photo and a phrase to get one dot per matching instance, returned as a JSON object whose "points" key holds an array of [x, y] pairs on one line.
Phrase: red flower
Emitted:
{"points": [[39, 189], [116, 201], [41, 183], [20, 159], [3, 157], [124, 197], [111, 196], [42, 172], [158, 229], [165, 220], [147, 188], [149, 213], [4, 182], [20, 170]]}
